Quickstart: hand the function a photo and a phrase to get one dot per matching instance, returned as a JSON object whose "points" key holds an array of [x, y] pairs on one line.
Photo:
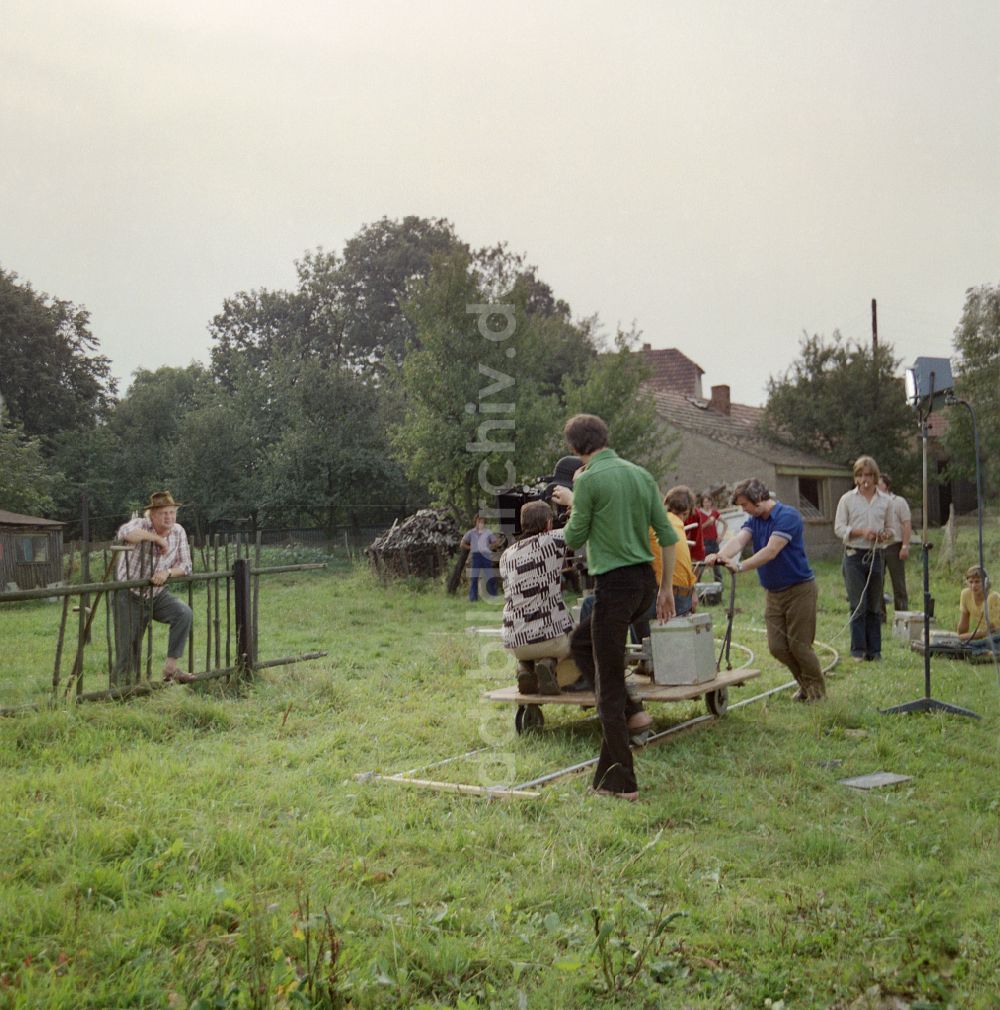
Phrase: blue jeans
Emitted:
{"points": [[863, 581], [986, 644], [482, 564]]}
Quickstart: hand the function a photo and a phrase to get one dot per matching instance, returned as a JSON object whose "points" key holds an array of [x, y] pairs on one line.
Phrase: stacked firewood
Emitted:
{"points": [[420, 545]]}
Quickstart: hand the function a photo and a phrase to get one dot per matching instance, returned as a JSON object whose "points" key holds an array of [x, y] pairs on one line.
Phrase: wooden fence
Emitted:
{"points": [[228, 620]]}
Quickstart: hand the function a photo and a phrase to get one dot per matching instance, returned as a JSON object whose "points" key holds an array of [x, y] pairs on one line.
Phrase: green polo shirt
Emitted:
{"points": [[614, 505]]}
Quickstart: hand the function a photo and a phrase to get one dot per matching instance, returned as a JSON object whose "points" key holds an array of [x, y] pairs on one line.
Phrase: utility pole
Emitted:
{"points": [[875, 391]]}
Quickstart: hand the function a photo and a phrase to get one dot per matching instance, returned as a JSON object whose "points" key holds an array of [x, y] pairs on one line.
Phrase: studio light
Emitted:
{"points": [[929, 384], [928, 380]]}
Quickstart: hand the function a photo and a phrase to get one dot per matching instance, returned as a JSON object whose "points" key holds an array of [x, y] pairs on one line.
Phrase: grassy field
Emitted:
{"points": [[202, 849]]}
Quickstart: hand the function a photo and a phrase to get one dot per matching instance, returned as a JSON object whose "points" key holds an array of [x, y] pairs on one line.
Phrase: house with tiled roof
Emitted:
{"points": [[719, 444]]}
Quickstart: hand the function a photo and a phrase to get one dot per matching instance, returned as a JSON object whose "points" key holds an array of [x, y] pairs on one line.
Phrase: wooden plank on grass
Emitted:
{"points": [[452, 787]]}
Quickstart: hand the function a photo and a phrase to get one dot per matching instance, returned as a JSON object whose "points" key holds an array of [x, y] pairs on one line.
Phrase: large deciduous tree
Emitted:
{"points": [[977, 343], [26, 482], [476, 415], [51, 377], [496, 365], [345, 310], [840, 400], [146, 425]]}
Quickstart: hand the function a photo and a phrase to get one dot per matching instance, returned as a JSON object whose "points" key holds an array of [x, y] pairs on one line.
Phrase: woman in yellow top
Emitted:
{"points": [[680, 505], [973, 624]]}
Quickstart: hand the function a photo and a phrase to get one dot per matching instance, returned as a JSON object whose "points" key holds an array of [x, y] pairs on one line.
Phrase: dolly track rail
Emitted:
{"points": [[530, 788]]}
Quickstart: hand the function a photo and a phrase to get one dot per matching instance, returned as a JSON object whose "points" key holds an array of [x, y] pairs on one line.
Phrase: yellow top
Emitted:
{"points": [[684, 577], [654, 546], [975, 611]]}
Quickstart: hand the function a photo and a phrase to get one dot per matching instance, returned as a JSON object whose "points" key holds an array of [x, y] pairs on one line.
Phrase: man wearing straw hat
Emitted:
{"points": [[160, 553]]}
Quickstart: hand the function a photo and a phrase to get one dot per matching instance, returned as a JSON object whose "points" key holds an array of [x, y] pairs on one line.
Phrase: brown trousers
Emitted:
{"points": [[790, 618]]}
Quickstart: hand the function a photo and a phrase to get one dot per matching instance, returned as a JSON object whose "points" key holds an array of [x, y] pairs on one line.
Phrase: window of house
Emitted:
{"points": [[809, 498], [33, 549]]}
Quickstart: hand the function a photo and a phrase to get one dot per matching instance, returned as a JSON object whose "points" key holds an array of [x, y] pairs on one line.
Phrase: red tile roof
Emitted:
{"points": [[673, 371]]}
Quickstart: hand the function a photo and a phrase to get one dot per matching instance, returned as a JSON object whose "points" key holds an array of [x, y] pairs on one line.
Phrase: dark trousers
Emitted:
{"points": [[621, 596], [863, 579], [482, 564], [895, 566], [132, 614]]}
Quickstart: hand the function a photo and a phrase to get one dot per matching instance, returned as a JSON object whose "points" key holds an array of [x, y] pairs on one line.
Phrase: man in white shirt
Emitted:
{"points": [[862, 525]]}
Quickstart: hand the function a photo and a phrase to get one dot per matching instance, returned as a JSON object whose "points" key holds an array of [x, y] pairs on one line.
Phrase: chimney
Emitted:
{"points": [[647, 347], [720, 400]]}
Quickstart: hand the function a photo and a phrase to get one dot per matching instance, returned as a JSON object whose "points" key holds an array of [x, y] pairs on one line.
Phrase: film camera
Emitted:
{"points": [[510, 500]]}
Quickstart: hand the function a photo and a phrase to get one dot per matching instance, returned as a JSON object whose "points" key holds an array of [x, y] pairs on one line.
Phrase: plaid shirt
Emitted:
{"points": [[134, 564]]}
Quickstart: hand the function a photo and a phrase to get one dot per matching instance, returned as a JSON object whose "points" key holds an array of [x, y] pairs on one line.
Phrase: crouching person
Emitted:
{"points": [[169, 557], [536, 624]]}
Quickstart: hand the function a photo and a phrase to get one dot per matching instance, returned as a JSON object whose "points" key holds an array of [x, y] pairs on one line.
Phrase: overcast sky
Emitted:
{"points": [[726, 175]]}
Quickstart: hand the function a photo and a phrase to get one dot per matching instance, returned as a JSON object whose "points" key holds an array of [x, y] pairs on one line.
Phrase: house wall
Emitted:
{"points": [[703, 462], [821, 542]]}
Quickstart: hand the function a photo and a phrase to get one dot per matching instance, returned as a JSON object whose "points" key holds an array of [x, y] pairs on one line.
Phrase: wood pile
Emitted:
{"points": [[420, 545]]}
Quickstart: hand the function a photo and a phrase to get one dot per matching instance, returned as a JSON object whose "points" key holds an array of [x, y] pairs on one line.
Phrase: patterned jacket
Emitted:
{"points": [[533, 608]]}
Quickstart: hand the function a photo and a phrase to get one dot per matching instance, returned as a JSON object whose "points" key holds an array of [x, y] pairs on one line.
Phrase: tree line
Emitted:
{"points": [[351, 399], [405, 369]]}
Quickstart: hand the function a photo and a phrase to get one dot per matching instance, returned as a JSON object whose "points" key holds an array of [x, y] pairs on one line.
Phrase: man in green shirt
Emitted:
{"points": [[613, 505]]}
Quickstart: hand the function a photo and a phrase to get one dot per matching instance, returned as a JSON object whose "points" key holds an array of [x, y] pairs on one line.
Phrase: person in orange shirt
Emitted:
{"points": [[680, 506]]}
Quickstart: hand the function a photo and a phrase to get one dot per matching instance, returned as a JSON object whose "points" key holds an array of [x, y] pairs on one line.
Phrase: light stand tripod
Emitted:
{"points": [[927, 703]]}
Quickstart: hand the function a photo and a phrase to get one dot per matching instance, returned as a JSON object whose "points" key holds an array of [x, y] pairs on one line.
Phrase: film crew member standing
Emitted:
{"points": [[776, 532], [862, 523], [613, 504], [897, 549], [480, 541], [169, 557]]}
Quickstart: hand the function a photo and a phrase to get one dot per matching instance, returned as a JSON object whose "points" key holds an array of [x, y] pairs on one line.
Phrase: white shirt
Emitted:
{"points": [[855, 512]]}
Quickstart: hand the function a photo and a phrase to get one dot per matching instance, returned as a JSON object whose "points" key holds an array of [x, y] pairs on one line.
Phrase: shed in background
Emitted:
{"points": [[30, 551]]}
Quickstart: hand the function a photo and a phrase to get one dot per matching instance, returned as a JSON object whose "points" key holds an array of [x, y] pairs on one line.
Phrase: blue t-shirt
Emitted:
{"points": [[790, 567]]}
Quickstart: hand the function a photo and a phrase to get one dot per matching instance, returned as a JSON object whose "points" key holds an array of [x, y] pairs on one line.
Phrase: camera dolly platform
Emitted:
{"points": [[528, 715], [675, 662]]}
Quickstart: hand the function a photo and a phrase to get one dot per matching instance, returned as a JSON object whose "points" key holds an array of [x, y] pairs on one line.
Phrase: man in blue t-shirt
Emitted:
{"points": [[775, 530]]}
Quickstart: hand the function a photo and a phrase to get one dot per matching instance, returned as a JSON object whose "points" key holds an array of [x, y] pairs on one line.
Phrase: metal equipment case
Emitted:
{"points": [[908, 625], [683, 650]]}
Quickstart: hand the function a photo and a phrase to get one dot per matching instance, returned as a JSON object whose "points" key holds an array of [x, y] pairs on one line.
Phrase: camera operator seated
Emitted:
{"points": [[536, 624]]}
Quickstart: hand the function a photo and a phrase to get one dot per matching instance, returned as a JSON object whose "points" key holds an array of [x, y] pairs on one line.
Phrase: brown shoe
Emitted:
{"points": [[545, 672], [629, 797], [639, 721], [527, 681]]}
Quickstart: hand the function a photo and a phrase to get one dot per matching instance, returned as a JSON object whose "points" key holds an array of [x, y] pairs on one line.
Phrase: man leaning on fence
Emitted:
{"points": [[159, 552]]}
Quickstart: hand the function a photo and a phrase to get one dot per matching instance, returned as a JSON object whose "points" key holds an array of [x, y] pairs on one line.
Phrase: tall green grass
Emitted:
{"points": [[184, 850]]}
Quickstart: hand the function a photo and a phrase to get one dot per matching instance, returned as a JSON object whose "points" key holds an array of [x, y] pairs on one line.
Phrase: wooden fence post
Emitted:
{"points": [[244, 622]]}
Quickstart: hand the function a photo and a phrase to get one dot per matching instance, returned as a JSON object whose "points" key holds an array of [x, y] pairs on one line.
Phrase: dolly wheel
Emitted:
{"points": [[528, 719], [717, 702]]}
